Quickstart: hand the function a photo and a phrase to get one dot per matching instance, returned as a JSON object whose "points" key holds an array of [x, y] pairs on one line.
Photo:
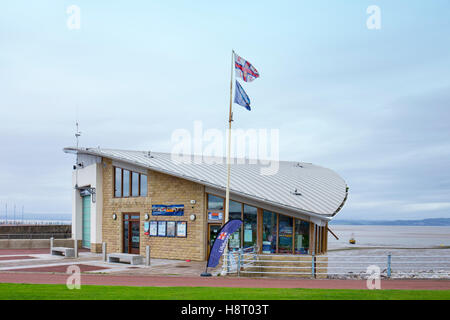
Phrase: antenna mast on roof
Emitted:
{"points": [[77, 133], [77, 137]]}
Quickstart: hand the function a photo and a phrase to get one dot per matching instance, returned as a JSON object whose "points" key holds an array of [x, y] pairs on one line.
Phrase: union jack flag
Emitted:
{"points": [[244, 69], [222, 235]]}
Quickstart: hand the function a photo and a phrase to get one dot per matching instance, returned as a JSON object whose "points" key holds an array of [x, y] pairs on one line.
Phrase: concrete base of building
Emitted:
{"points": [[96, 247]]}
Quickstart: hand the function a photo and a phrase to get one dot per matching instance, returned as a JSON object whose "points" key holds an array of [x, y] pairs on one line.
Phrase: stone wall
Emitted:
{"points": [[162, 189], [63, 230], [34, 243]]}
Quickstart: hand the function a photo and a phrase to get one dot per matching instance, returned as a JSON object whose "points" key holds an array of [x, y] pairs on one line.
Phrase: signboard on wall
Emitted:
{"points": [[182, 229], [215, 216], [171, 228], [168, 210], [153, 228], [162, 228]]}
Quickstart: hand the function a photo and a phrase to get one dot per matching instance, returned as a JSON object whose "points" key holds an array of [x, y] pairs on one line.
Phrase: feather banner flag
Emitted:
{"points": [[221, 242]]}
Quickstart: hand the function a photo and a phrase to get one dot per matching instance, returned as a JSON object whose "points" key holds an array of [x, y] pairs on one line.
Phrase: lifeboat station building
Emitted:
{"points": [[134, 199]]}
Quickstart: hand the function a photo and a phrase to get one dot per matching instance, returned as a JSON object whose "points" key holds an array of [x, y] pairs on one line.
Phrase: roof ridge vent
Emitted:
{"points": [[148, 154]]}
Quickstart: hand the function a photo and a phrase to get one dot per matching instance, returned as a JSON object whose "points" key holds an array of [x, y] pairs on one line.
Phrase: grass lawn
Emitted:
{"points": [[89, 292]]}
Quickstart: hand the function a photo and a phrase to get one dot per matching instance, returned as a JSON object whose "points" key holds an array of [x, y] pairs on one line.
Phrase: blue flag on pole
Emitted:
{"points": [[221, 242], [240, 97]]}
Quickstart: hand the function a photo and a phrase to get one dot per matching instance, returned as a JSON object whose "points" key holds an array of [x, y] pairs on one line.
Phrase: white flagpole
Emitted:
{"points": [[227, 194], [230, 119]]}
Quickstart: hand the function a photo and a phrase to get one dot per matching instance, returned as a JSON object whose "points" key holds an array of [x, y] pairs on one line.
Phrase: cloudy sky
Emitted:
{"points": [[371, 104]]}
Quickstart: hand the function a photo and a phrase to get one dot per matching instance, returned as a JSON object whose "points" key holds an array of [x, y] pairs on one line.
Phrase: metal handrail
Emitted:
{"points": [[353, 265]]}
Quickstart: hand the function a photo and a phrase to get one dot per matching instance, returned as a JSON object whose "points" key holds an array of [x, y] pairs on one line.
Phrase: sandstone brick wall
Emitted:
{"points": [[162, 189]]}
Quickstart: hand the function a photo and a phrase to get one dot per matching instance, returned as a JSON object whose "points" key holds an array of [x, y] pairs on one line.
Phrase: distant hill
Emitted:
{"points": [[424, 222]]}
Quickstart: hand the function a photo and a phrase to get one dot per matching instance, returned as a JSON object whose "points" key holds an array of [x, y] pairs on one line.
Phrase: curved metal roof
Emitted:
{"points": [[321, 191]]}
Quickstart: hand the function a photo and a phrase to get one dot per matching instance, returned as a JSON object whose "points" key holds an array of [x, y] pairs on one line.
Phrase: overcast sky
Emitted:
{"points": [[373, 105]]}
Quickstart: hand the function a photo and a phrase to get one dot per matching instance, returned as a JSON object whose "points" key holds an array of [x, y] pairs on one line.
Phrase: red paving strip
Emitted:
{"points": [[31, 251], [17, 258], [61, 268], [163, 281], [22, 251]]}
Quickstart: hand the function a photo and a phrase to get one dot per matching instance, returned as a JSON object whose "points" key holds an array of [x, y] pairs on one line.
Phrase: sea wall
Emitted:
{"points": [[30, 231], [34, 243]]}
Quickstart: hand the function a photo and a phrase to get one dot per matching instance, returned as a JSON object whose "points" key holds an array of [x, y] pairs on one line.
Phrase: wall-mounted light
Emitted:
{"points": [[146, 216], [192, 217], [114, 216]]}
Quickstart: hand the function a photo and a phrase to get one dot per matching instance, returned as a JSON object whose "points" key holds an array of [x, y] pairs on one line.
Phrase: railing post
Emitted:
{"points": [[389, 265], [51, 244], [313, 265], [239, 262], [104, 251], [147, 256]]}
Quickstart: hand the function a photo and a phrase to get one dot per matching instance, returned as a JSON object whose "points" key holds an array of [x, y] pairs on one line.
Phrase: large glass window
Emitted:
{"points": [[235, 213], [143, 192], [285, 226], [215, 203], [250, 225], [129, 183], [126, 183], [301, 239], [269, 244], [235, 210], [118, 182], [135, 184]]}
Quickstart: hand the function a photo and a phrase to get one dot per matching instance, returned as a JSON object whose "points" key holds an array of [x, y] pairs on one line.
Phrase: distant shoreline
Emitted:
{"points": [[434, 222], [388, 248]]}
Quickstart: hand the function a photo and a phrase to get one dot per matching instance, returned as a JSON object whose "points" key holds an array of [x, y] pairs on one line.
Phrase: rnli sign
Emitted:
{"points": [[168, 210]]}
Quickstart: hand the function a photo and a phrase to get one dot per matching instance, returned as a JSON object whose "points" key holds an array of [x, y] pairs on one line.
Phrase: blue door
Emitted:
{"points": [[86, 233]]}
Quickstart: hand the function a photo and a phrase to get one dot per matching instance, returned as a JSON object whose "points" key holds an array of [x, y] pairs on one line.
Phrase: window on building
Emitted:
{"points": [[285, 228], [301, 238], [269, 235], [129, 183], [235, 213], [118, 182], [320, 240], [135, 184], [250, 225], [214, 202], [126, 183], [143, 192]]}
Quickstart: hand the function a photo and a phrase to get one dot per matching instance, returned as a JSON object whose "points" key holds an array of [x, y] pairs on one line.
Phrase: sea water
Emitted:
{"points": [[389, 236]]}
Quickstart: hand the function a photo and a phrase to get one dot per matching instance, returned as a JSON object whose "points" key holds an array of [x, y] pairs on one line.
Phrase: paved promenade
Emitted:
{"points": [[170, 281], [38, 266]]}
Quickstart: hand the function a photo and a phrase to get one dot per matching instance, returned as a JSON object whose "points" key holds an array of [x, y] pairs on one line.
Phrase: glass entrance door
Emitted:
{"points": [[131, 233], [86, 224], [213, 231]]}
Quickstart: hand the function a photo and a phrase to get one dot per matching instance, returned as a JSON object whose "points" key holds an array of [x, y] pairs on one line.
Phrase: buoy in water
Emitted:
{"points": [[352, 239]]}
